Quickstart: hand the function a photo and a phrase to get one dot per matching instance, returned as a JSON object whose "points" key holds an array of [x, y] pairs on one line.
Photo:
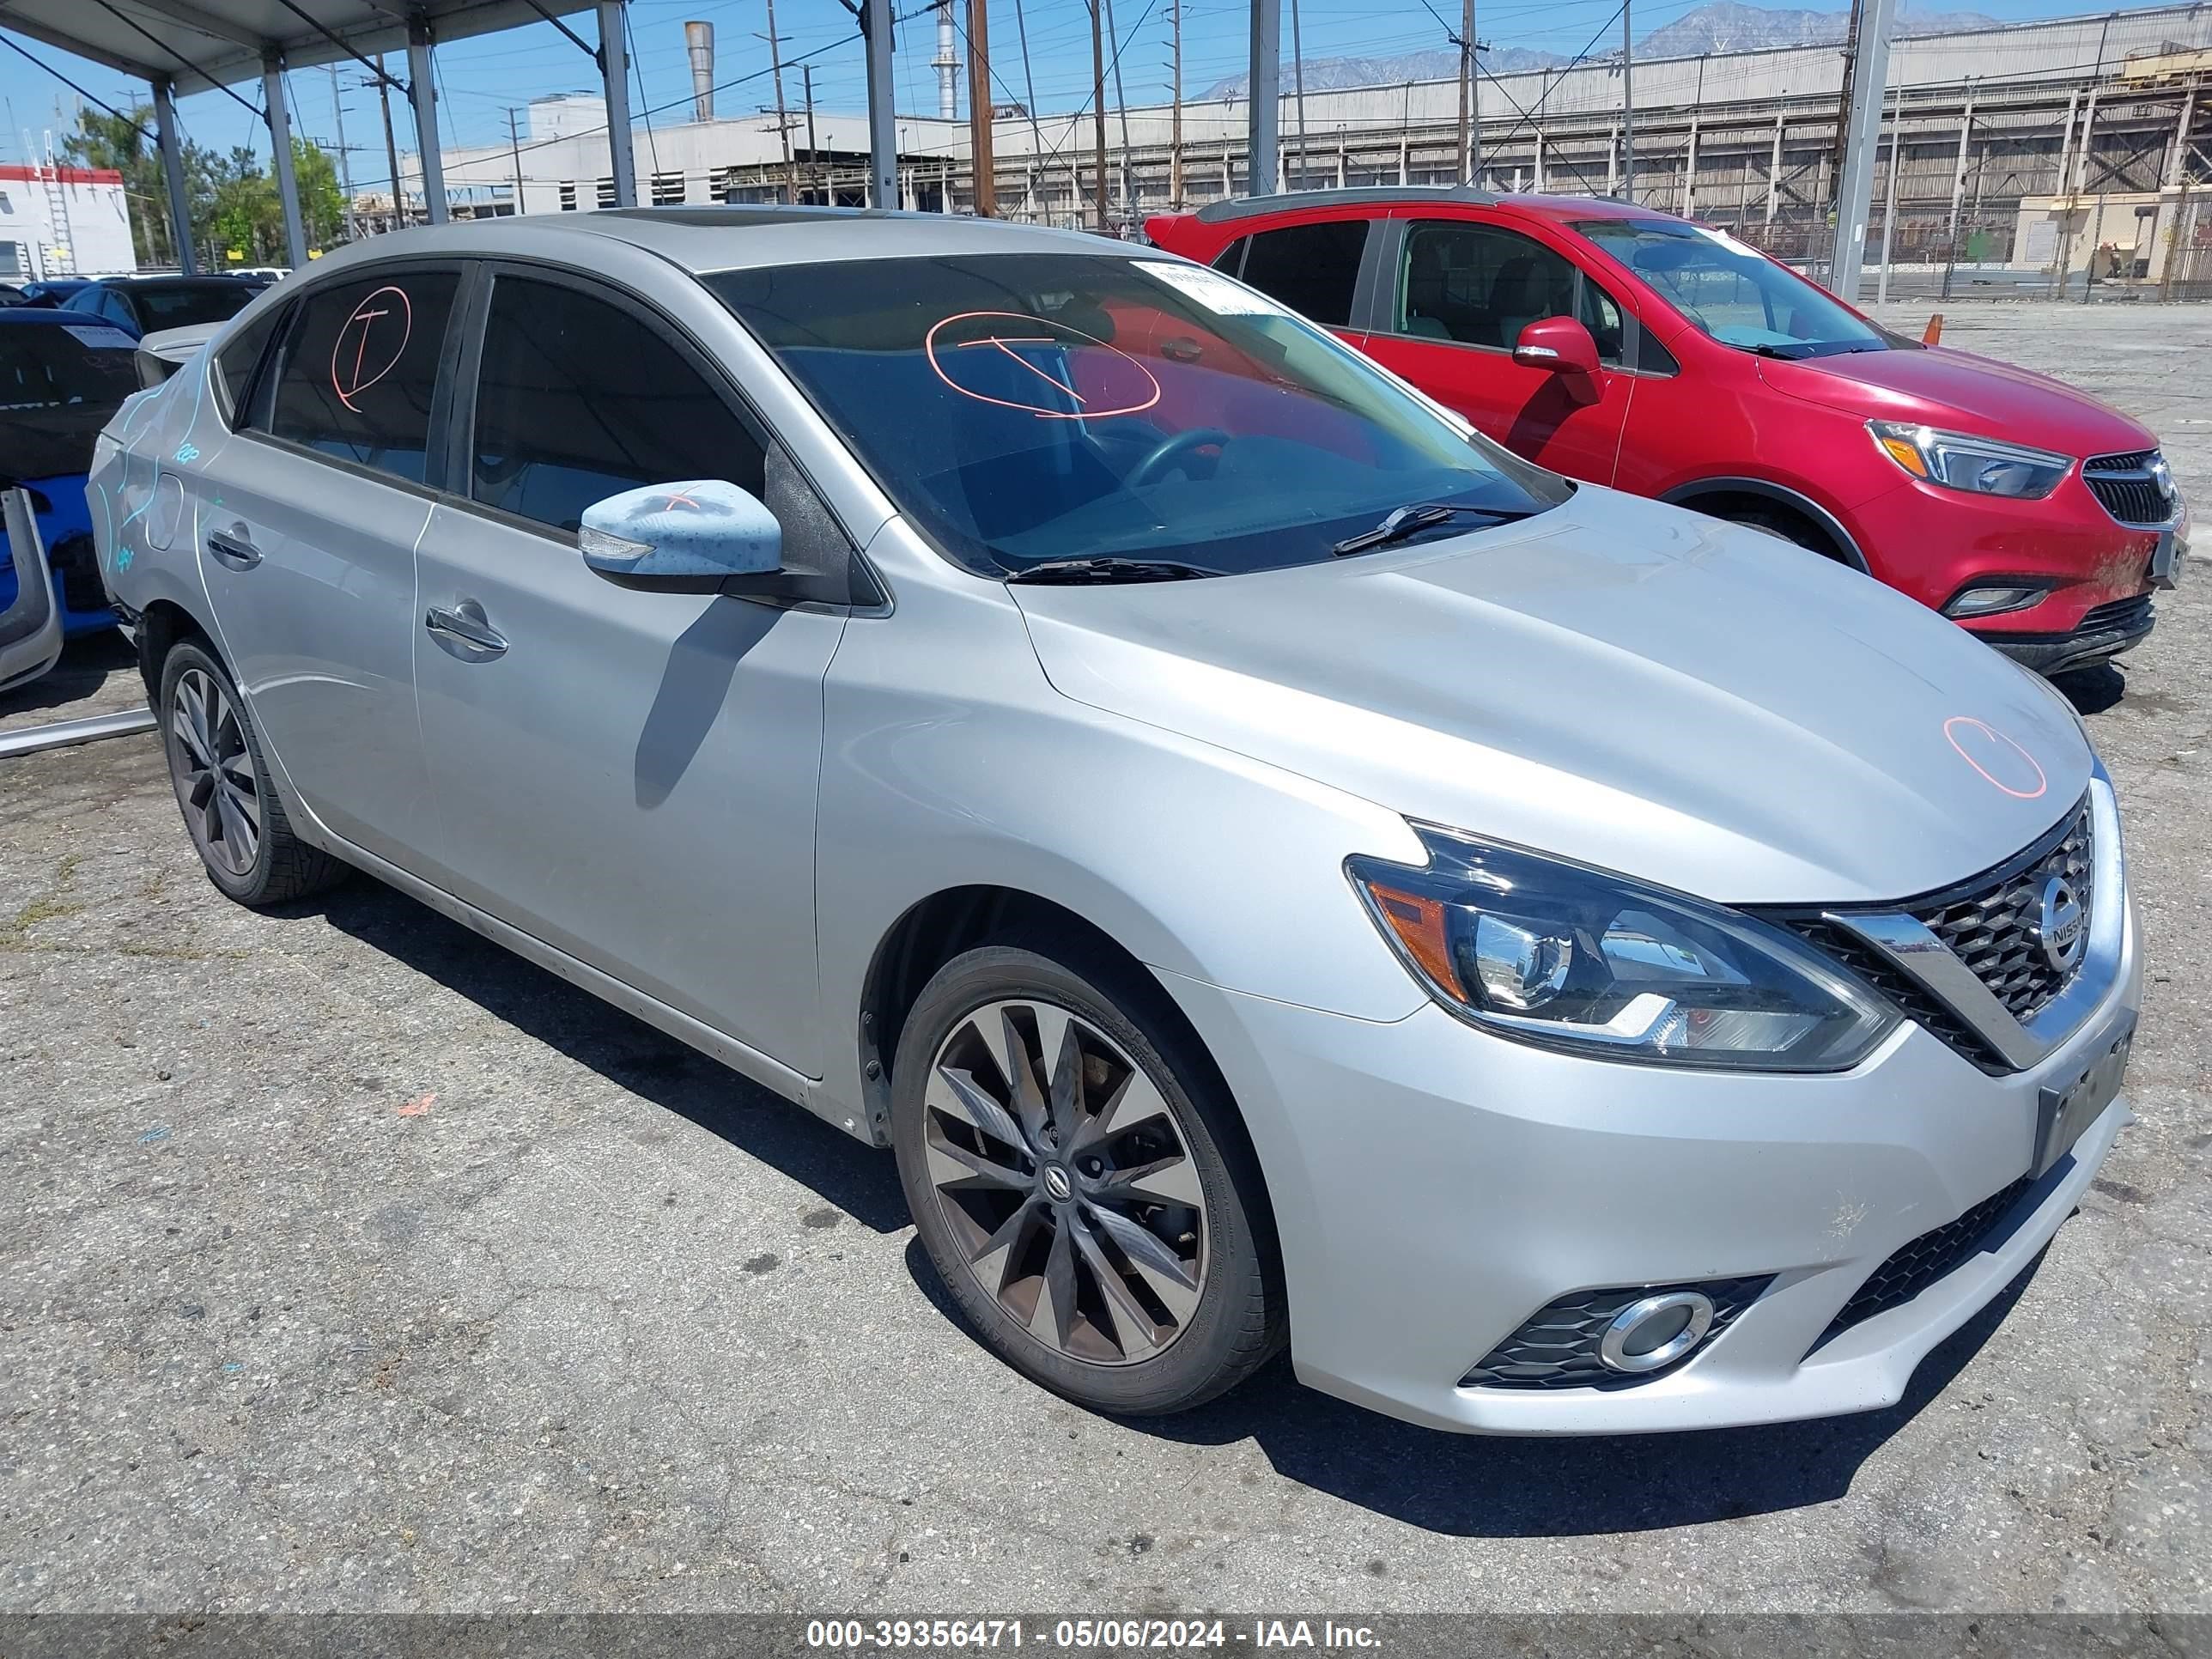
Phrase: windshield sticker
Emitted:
{"points": [[379, 328], [98, 334], [2002, 762], [1212, 290], [970, 350]]}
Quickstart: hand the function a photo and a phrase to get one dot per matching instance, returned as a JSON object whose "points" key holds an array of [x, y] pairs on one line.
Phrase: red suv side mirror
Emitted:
{"points": [[1560, 344]]}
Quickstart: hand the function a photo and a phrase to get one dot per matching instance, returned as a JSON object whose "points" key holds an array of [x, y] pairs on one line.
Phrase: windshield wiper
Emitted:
{"points": [[1408, 521], [1795, 353], [1107, 568]]}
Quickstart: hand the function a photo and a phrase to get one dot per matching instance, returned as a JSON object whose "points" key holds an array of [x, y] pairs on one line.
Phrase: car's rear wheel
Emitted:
{"points": [[1080, 1184], [216, 765]]}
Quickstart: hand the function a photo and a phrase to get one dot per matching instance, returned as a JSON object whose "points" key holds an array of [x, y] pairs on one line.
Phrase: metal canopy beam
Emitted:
{"points": [[223, 40], [1264, 116], [280, 151], [1869, 85], [614, 78], [423, 92], [173, 171]]}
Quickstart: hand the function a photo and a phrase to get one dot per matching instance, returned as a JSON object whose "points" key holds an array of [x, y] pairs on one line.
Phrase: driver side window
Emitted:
{"points": [[1479, 284]]}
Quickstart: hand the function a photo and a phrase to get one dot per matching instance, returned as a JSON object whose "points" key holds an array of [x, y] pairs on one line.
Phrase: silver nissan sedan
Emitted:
{"points": [[1275, 868]]}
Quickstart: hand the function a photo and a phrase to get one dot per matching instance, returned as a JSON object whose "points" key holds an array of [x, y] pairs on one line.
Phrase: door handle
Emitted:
{"points": [[232, 547], [464, 625]]}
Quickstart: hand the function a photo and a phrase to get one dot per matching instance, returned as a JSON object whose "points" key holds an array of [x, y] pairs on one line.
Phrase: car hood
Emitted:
{"points": [[1624, 684], [1941, 387]]}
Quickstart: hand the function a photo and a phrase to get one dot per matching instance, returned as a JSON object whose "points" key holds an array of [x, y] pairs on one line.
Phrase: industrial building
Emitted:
{"points": [[2065, 145], [62, 222]]}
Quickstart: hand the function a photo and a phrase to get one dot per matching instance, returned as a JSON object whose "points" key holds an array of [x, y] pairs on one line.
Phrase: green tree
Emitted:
{"points": [[232, 200]]}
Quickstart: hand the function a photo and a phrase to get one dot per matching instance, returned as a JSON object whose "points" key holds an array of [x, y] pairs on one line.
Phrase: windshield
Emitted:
{"points": [[1024, 408], [1734, 293], [188, 306], [48, 364]]}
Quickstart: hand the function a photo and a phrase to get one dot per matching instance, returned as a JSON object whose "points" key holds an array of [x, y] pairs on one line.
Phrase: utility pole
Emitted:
{"points": [[514, 153], [1298, 86], [1466, 90], [783, 113], [390, 146], [1174, 118], [882, 118], [979, 109], [345, 162], [1263, 110], [1889, 207], [1098, 112], [813, 153], [1121, 103], [1627, 106]]}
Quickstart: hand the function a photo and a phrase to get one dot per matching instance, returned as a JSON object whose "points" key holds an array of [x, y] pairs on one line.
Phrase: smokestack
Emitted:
{"points": [[947, 65], [699, 46]]}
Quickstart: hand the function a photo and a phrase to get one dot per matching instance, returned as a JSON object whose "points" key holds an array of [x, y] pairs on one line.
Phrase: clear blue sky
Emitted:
{"points": [[482, 79]]}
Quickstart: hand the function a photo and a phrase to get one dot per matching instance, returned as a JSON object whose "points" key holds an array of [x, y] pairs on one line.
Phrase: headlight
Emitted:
{"points": [[1571, 957], [1981, 466]]}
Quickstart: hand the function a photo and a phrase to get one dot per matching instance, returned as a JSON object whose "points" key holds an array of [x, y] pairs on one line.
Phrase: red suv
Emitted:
{"points": [[1634, 348]]}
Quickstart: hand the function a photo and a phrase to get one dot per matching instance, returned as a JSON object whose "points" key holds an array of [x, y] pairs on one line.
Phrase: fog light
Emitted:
{"points": [[1993, 600], [1655, 1331]]}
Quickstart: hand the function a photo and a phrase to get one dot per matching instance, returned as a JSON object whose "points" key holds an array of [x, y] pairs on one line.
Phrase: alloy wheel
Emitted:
{"points": [[217, 780], [1066, 1183]]}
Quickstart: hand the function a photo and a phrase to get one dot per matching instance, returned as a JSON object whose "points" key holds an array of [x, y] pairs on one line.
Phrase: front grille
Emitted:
{"points": [[78, 566], [1556, 1347], [2124, 485], [1991, 931], [2126, 615], [1986, 923], [1918, 1264]]}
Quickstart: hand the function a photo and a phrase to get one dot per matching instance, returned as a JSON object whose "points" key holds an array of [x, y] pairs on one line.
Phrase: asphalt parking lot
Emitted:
{"points": [[348, 1263]]}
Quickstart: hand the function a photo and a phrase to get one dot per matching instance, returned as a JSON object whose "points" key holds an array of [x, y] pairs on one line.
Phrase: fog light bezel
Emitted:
{"points": [[1613, 1347], [2028, 593]]}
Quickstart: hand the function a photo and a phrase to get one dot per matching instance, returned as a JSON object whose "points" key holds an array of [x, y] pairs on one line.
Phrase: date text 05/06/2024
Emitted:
{"points": [[1166, 1635]]}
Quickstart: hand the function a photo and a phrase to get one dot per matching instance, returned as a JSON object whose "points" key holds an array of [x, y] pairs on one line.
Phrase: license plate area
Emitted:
{"points": [[2165, 559], [2062, 1113]]}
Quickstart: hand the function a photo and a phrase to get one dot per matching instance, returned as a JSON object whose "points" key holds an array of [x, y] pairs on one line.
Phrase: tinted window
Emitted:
{"points": [[241, 354], [578, 398], [48, 365], [189, 305], [1022, 407], [359, 366], [1312, 268], [1482, 284], [1232, 258]]}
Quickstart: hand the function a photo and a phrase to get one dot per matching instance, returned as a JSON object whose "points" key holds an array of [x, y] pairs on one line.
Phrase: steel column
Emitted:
{"points": [[614, 80], [172, 172], [422, 94], [1263, 116], [1870, 82], [883, 117], [280, 152]]}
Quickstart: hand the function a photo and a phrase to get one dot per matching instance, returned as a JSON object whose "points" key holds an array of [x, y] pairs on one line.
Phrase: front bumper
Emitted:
{"points": [[2104, 632], [1434, 1186]]}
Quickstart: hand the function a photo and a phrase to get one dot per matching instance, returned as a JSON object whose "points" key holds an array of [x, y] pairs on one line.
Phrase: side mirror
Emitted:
{"points": [[704, 529], [1558, 345]]}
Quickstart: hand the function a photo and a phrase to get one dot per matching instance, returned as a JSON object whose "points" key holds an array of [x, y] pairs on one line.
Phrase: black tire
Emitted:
{"points": [[281, 867], [1782, 523], [1239, 1320]]}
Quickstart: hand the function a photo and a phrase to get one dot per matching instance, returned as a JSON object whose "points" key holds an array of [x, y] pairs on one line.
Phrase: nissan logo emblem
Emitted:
{"points": [[2060, 927]]}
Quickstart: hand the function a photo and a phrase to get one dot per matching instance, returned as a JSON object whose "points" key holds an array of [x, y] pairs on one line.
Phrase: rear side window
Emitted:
{"points": [[239, 357], [1312, 268], [359, 367], [578, 398], [1232, 258]]}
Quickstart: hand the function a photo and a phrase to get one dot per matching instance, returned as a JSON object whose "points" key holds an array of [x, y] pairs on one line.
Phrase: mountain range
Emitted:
{"points": [[1717, 27]]}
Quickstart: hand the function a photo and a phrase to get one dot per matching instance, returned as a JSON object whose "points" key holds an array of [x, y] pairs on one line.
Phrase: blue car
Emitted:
{"points": [[148, 305], [63, 375]]}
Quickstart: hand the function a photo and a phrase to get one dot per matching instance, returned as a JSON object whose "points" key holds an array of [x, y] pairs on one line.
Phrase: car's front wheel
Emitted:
{"points": [[217, 767], [1080, 1184]]}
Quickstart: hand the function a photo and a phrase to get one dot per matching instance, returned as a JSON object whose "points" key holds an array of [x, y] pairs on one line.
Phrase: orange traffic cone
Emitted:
{"points": [[1933, 334]]}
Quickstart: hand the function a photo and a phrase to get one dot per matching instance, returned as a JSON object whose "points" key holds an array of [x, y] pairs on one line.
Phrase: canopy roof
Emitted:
{"points": [[199, 43]]}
